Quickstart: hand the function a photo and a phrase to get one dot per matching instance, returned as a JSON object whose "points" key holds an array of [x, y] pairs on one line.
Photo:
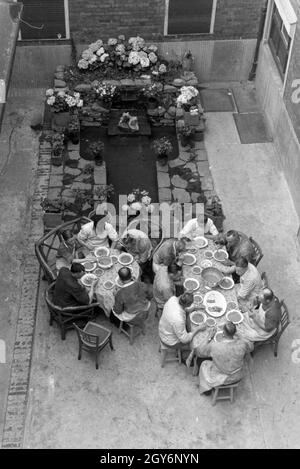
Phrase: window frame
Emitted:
{"points": [[67, 27], [212, 22], [274, 15]]}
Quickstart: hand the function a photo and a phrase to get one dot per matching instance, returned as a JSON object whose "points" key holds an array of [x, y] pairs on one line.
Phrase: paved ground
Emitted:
{"points": [[131, 401]]}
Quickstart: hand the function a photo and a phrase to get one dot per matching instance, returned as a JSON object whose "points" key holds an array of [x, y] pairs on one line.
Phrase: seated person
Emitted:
{"points": [[200, 226], [68, 291], [164, 285], [238, 245], [262, 322], [170, 251], [97, 233], [67, 250], [172, 324], [250, 283], [132, 301], [227, 360], [137, 243]]}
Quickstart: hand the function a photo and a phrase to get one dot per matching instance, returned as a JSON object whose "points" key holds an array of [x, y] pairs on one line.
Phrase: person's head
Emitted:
{"points": [[180, 245], [232, 237], [67, 234], [95, 219], [77, 270], [186, 300], [266, 296], [124, 274], [241, 266], [229, 329], [174, 271]]}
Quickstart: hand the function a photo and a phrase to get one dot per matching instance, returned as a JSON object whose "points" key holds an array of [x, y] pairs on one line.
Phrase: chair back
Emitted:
{"points": [[88, 339], [284, 319], [47, 246], [258, 254]]}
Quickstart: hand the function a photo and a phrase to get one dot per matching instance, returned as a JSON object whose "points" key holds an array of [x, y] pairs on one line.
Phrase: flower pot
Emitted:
{"points": [[51, 220], [60, 120], [187, 64], [162, 159], [185, 141], [74, 137]]}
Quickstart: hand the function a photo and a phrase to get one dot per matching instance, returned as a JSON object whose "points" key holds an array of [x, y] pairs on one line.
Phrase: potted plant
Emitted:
{"points": [[213, 208], [153, 94], [187, 61], [104, 92], [101, 193], [95, 152], [53, 211], [162, 148], [186, 135], [58, 146], [61, 103]]}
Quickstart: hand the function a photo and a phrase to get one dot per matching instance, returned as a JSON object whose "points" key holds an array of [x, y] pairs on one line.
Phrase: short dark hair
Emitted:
{"points": [[205, 217], [231, 233], [76, 268], [186, 299], [95, 218], [124, 274], [230, 328], [268, 294], [242, 262], [173, 268]]}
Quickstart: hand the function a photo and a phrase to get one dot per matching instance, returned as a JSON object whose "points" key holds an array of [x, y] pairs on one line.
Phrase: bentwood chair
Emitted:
{"points": [[135, 327], [93, 338], [258, 252], [65, 317], [274, 340]]}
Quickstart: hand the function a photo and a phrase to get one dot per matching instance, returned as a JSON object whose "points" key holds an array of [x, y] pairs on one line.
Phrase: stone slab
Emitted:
{"points": [[162, 169], [163, 180], [181, 195], [55, 180], [207, 184], [100, 175], [81, 186], [203, 168], [164, 195], [177, 181], [176, 162]]}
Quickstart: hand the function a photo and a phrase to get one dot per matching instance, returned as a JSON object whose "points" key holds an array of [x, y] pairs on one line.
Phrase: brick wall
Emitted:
{"points": [[93, 19]]}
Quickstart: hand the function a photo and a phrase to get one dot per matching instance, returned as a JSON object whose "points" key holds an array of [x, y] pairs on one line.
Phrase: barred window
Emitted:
{"points": [[190, 16], [43, 19]]}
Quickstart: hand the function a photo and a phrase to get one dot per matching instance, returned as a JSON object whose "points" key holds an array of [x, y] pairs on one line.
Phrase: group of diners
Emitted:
{"points": [[163, 292]]}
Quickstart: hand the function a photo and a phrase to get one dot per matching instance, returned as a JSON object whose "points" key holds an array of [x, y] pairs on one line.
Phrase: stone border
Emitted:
{"points": [[16, 407]]}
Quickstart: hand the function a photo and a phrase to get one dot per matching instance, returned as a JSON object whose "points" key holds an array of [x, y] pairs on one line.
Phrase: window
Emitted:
{"points": [[190, 16], [44, 19], [279, 40]]}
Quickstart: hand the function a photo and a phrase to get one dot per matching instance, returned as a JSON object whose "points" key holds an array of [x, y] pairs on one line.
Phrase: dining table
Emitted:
{"points": [[201, 253], [106, 296]]}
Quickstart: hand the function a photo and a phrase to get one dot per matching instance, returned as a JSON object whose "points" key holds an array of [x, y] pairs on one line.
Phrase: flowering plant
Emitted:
{"points": [[186, 131], [133, 54], [63, 100], [137, 200], [152, 91], [58, 143], [104, 90], [187, 97], [162, 146]]}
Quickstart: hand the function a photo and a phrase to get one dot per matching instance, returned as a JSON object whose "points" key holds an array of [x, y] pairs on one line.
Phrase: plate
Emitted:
{"points": [[105, 262], [205, 263], [98, 272], [220, 255], [201, 242], [210, 322], [189, 259], [198, 317], [198, 299], [214, 299], [191, 284], [219, 337], [108, 284], [196, 270], [234, 316], [114, 258], [101, 251], [226, 283], [231, 305], [89, 266], [87, 279], [208, 254], [125, 258]]}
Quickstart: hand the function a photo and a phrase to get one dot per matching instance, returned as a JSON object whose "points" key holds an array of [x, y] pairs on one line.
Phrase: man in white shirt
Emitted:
{"points": [[200, 226], [250, 283], [172, 324]]}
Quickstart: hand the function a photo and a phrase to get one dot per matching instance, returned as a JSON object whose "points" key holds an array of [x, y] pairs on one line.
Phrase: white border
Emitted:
{"points": [[212, 20]]}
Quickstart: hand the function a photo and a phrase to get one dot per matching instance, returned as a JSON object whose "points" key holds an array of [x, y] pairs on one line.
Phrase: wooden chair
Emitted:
{"points": [[47, 246], [165, 351], [218, 395], [65, 317], [136, 326], [93, 338], [258, 252], [274, 340]]}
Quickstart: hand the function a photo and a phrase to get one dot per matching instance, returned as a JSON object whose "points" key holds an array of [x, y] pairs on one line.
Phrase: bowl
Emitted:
{"points": [[208, 254], [210, 322], [220, 255], [196, 270], [99, 272], [189, 259], [105, 262], [211, 276], [226, 283], [205, 263], [87, 279], [89, 266], [125, 259], [101, 251], [108, 284], [219, 336], [201, 242], [198, 317], [191, 284], [234, 316], [198, 299]]}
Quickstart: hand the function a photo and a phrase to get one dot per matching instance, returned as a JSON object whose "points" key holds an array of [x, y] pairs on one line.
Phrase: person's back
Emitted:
{"points": [[243, 249], [172, 324], [228, 355], [132, 298], [272, 315], [67, 290]]}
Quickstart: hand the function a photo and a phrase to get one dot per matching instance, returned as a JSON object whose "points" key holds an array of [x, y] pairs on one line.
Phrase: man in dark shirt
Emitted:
{"points": [[67, 289]]}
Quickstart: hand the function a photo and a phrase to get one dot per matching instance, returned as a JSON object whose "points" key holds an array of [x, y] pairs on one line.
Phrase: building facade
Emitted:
{"points": [[278, 86]]}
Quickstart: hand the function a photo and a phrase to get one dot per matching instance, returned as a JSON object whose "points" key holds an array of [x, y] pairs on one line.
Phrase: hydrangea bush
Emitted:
{"points": [[60, 101], [133, 54], [187, 97], [137, 200]]}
